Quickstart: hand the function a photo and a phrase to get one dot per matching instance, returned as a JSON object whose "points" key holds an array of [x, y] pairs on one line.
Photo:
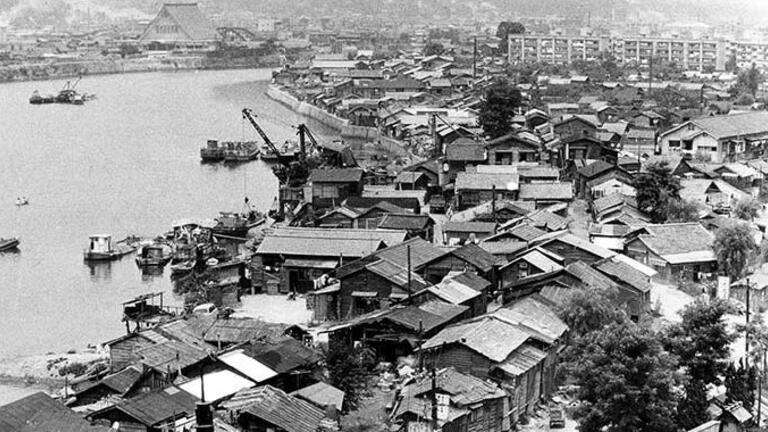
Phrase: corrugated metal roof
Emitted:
{"points": [[535, 316], [171, 355], [315, 246], [453, 291], [487, 335], [623, 272], [218, 385], [247, 365], [469, 227], [396, 274], [464, 389], [538, 260], [522, 360], [336, 175]]}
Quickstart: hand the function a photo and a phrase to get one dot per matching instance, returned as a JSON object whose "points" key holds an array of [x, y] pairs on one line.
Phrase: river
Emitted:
{"points": [[125, 163]]}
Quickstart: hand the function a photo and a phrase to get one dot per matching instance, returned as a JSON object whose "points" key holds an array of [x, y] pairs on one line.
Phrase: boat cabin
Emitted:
{"points": [[100, 243]]}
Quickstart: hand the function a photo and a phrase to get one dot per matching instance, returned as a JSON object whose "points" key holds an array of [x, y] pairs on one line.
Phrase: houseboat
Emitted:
{"points": [[101, 248], [7, 244], [154, 254]]}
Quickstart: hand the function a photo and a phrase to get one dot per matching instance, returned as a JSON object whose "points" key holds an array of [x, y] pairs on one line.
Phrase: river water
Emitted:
{"points": [[125, 163]]}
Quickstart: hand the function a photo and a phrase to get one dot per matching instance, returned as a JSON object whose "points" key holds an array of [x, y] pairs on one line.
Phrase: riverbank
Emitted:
{"points": [[358, 135], [54, 69]]}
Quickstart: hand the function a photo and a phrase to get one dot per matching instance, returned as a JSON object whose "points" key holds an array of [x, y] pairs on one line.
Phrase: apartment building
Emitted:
{"points": [[691, 54]]}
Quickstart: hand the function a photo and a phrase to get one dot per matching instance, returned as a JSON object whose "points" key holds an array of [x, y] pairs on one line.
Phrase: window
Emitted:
{"points": [[687, 144], [522, 270], [674, 143], [691, 126]]}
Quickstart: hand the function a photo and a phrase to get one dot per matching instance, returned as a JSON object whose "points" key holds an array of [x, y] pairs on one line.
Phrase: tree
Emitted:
{"points": [[348, 370], [586, 311], [702, 340], [655, 188], [498, 108], [626, 381], [734, 247], [749, 80], [693, 407], [505, 29], [682, 211], [433, 48], [747, 209], [740, 385]]}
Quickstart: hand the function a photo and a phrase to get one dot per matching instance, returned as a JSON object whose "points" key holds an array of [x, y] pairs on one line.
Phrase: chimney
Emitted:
{"points": [[203, 417]]}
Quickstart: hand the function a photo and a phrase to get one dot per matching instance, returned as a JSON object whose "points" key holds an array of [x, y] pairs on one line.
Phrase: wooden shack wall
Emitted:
{"points": [[362, 281], [123, 353]]}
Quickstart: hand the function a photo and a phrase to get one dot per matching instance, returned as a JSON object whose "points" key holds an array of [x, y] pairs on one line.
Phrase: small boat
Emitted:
{"points": [[236, 224], [182, 268], [241, 151], [101, 248], [21, 201], [7, 244], [154, 254], [212, 152], [38, 99]]}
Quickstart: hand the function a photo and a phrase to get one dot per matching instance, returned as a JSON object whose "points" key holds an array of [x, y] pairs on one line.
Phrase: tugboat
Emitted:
{"points": [[7, 244], [154, 254], [101, 248], [212, 152], [241, 151]]}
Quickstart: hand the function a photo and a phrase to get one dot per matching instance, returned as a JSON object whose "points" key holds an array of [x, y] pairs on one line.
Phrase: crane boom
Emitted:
{"points": [[251, 117]]}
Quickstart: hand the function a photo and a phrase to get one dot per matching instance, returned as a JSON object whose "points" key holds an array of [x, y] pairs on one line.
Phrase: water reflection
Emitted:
{"points": [[100, 271], [150, 273]]}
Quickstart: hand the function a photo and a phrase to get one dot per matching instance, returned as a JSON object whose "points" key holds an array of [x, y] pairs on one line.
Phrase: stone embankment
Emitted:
{"points": [[341, 125]]}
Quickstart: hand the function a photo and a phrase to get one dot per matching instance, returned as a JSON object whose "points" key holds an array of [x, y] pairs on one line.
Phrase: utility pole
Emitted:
{"points": [[474, 61], [410, 293], [434, 399], [493, 204], [746, 330]]}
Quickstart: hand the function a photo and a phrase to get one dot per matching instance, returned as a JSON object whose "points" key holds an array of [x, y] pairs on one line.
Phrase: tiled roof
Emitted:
{"points": [[315, 243], [39, 412], [405, 221], [190, 19], [547, 220], [158, 406], [427, 316], [503, 247], [583, 244], [679, 242], [282, 356], [595, 169], [590, 277], [272, 405], [613, 200], [422, 252], [469, 227], [409, 176], [623, 272], [734, 125], [470, 279], [122, 381], [461, 151], [478, 181], [464, 389], [336, 175], [476, 256], [171, 355], [545, 191], [321, 394], [538, 260], [487, 335], [237, 330], [525, 232], [396, 274]]}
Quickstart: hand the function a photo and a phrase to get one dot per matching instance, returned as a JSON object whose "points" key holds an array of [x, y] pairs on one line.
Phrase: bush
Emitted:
{"points": [[75, 369]]}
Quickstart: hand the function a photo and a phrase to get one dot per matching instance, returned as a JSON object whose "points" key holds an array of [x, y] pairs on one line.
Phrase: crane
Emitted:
{"points": [[251, 117]]}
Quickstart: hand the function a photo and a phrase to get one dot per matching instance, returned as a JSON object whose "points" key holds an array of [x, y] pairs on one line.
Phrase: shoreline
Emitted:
{"points": [[69, 70]]}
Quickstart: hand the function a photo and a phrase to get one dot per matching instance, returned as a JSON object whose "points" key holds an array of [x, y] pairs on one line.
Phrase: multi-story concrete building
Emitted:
{"points": [[690, 54]]}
